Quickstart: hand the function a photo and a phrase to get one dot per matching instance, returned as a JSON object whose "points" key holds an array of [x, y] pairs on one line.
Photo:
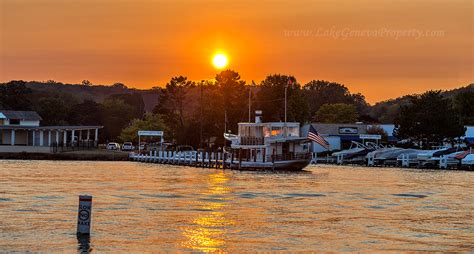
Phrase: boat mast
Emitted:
{"points": [[250, 91]]}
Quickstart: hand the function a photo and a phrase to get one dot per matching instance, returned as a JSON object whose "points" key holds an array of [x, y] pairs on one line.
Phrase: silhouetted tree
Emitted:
{"points": [[172, 105], [116, 115], [86, 83], [14, 95], [463, 104], [320, 92], [232, 94], [119, 86], [134, 100], [428, 119], [271, 96], [377, 130], [87, 112], [54, 111]]}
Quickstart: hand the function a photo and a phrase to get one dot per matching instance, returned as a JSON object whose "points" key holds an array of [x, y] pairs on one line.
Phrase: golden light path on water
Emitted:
{"points": [[208, 233], [149, 207]]}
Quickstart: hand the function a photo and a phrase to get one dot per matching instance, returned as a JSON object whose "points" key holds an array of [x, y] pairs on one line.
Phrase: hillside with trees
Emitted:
{"points": [[197, 113]]}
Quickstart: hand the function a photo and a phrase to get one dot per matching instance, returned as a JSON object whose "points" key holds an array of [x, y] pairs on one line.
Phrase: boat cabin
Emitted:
{"points": [[270, 141]]}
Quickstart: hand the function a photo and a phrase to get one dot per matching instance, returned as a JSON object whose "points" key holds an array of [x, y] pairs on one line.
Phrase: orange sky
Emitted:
{"points": [[144, 43]]}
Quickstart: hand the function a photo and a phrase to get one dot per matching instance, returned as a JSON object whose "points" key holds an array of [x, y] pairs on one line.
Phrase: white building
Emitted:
{"points": [[20, 131]]}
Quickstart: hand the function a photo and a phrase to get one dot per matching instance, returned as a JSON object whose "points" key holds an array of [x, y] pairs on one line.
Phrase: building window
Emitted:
{"points": [[14, 121]]}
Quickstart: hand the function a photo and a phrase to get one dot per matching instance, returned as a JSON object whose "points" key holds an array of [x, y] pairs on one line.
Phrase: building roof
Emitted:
{"points": [[49, 128], [340, 129], [24, 115]]}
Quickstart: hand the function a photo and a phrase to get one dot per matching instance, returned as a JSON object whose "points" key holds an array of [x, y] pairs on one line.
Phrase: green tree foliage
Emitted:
{"points": [[205, 116], [54, 111], [320, 92], [428, 119], [151, 122], [336, 113], [87, 112], [116, 115], [195, 113], [231, 93], [298, 107], [271, 99], [463, 104], [134, 100], [173, 104]]}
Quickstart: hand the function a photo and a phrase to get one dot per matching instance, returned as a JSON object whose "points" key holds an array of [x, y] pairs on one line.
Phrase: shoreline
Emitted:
{"points": [[87, 155]]}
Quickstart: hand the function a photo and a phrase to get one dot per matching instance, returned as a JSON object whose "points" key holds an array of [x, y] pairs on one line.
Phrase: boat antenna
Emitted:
{"points": [[250, 96], [290, 82]]}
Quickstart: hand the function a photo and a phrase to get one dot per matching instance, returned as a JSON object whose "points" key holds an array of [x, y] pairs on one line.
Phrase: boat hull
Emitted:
{"points": [[290, 165]]}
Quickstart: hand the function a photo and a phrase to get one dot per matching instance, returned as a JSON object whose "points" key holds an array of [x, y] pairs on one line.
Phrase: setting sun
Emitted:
{"points": [[220, 61]]}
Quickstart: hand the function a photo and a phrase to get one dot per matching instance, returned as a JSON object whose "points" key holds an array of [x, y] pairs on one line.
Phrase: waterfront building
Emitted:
{"points": [[21, 131], [340, 136]]}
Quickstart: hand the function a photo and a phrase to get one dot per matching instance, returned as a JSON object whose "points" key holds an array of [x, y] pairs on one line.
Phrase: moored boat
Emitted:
{"points": [[271, 145]]}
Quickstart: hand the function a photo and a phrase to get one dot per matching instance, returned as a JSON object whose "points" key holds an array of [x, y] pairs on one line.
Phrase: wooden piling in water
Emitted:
{"points": [[209, 159], [240, 158], [224, 165], [203, 159]]}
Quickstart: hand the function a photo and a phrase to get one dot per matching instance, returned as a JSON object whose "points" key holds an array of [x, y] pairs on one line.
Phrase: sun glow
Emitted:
{"points": [[220, 61]]}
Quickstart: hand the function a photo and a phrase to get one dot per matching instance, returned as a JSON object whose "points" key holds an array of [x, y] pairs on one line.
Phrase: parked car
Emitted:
{"points": [[113, 146], [128, 146]]}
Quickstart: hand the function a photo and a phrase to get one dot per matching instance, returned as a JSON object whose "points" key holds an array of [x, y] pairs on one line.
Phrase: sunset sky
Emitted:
{"points": [[144, 43]]}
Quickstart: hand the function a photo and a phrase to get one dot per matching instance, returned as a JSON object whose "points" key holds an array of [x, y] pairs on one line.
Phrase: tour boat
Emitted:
{"points": [[272, 145]]}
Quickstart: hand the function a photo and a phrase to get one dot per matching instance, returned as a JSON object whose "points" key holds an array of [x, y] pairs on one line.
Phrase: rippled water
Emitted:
{"points": [[145, 207]]}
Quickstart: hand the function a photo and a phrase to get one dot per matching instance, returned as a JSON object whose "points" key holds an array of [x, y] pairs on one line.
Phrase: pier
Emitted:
{"points": [[237, 159], [219, 160]]}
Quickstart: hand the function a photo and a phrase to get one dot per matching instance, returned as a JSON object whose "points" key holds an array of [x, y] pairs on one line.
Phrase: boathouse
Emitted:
{"points": [[21, 131], [340, 136]]}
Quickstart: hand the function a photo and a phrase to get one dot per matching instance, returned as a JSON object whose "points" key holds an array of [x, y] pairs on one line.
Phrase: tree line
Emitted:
{"points": [[198, 112]]}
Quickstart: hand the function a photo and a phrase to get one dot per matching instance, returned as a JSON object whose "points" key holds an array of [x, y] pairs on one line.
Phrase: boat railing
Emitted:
{"points": [[247, 140], [289, 156]]}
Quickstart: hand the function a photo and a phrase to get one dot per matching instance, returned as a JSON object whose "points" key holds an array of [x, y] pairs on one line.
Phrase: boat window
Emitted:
{"points": [[276, 131], [266, 131], [251, 131], [293, 131]]}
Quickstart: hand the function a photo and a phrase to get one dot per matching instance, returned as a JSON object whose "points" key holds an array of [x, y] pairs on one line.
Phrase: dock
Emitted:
{"points": [[219, 160]]}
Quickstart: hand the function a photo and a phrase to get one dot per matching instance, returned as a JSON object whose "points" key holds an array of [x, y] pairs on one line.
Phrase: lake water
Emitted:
{"points": [[144, 207]]}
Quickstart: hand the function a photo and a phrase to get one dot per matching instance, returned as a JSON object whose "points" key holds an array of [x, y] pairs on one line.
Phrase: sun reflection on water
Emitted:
{"points": [[207, 234]]}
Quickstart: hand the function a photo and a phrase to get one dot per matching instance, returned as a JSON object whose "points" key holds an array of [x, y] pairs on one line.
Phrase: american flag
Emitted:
{"points": [[314, 136]]}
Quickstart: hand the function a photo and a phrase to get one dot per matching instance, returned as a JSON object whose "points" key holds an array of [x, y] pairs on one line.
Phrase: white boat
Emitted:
{"points": [[272, 145], [468, 160], [355, 148]]}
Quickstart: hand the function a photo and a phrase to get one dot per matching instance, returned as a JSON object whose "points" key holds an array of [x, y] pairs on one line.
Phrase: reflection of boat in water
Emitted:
{"points": [[273, 145]]}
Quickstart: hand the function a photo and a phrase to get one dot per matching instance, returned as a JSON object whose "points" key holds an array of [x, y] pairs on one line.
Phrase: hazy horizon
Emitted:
{"points": [[380, 49]]}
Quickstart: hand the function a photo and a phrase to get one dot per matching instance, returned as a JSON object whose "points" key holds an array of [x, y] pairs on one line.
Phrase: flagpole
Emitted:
{"points": [[286, 88], [285, 129], [250, 91]]}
